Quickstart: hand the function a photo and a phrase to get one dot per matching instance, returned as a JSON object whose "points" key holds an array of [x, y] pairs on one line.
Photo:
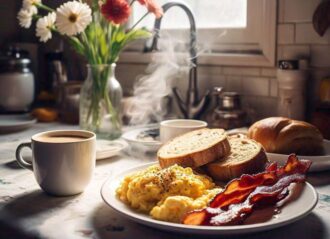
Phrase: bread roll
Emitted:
{"points": [[194, 149], [246, 157], [285, 136]]}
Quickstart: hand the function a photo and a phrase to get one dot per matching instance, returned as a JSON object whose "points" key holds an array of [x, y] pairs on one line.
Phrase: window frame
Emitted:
{"points": [[237, 54]]}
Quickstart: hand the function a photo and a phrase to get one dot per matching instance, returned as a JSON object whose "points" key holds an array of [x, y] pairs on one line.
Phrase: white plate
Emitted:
{"points": [[319, 163], [243, 130], [290, 212], [107, 149], [131, 137], [14, 123]]}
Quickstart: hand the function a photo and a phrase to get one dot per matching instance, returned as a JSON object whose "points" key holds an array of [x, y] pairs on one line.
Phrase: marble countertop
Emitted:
{"points": [[27, 212]]}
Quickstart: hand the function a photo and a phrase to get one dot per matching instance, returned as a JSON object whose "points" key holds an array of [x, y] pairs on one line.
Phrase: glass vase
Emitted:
{"points": [[100, 102]]}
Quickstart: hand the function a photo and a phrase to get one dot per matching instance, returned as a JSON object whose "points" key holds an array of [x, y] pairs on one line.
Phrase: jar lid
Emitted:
{"points": [[230, 100], [288, 64], [14, 58], [230, 95], [6, 61]]}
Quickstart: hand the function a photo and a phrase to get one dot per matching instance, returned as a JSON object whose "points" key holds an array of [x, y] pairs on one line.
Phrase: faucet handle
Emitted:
{"points": [[217, 90], [180, 101], [152, 43], [201, 106]]}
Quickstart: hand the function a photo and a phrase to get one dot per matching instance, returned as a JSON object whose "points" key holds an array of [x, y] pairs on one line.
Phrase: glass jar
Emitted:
{"points": [[100, 102], [16, 81]]}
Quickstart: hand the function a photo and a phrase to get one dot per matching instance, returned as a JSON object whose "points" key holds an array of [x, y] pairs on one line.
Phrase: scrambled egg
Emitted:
{"points": [[167, 194], [174, 207]]}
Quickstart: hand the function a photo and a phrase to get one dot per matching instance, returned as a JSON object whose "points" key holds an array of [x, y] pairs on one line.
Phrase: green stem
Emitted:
{"points": [[114, 115], [89, 47], [95, 31], [132, 3], [99, 93], [36, 17], [138, 21], [108, 37], [44, 7]]}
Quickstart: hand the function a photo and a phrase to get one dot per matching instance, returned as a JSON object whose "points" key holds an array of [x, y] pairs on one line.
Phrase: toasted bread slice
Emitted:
{"points": [[246, 157], [195, 148]]}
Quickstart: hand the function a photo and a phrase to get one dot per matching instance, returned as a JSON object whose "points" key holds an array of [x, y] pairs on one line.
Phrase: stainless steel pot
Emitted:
{"points": [[227, 113]]}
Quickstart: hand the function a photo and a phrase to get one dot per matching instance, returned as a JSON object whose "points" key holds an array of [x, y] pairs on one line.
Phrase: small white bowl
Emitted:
{"points": [[172, 128], [132, 137]]}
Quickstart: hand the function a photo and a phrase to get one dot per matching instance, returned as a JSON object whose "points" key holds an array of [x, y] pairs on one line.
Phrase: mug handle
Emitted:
{"points": [[19, 157]]}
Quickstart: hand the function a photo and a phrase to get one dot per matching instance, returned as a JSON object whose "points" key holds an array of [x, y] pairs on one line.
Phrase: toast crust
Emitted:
{"points": [[230, 167], [201, 155]]}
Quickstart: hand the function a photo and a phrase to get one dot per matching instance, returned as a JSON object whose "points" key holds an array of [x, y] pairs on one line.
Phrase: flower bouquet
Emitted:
{"points": [[97, 30]]}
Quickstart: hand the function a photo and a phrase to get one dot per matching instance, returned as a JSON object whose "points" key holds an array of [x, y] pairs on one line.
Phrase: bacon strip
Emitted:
{"points": [[239, 189], [233, 205]]}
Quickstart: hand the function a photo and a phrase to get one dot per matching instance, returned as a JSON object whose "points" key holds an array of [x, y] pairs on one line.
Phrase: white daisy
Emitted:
{"points": [[24, 16], [44, 27], [29, 3], [73, 17]]}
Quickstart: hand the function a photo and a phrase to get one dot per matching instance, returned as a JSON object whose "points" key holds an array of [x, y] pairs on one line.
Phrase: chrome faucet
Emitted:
{"points": [[192, 107]]}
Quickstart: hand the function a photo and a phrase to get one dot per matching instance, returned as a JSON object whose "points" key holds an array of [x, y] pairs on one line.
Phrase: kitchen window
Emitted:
{"points": [[229, 32]]}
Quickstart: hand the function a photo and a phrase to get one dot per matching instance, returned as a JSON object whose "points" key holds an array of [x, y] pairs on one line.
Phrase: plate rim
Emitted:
{"points": [[237, 229], [305, 156], [26, 122], [320, 163], [100, 154], [149, 143]]}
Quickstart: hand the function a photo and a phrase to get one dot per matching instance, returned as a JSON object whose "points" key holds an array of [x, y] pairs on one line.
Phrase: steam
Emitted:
{"points": [[150, 91], [167, 68]]}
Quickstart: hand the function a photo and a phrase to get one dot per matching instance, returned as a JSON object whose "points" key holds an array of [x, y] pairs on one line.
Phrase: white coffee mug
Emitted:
{"points": [[63, 161], [169, 129]]}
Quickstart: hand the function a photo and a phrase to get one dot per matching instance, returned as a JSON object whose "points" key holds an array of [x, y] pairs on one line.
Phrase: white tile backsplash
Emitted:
{"points": [[255, 86], [285, 33], [127, 78], [267, 107], [294, 52], [273, 89], [296, 39], [269, 72], [234, 83], [241, 71], [217, 81], [320, 56], [298, 10], [305, 34], [260, 107], [281, 9], [209, 70]]}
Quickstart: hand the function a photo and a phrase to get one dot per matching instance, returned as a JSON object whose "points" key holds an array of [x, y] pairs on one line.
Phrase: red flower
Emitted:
{"points": [[152, 7], [116, 11]]}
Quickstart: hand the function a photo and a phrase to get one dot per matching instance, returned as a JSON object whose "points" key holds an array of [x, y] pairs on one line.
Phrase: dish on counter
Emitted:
{"points": [[180, 189], [281, 136], [15, 122], [107, 149], [167, 194], [243, 131], [144, 138], [320, 163], [292, 211]]}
